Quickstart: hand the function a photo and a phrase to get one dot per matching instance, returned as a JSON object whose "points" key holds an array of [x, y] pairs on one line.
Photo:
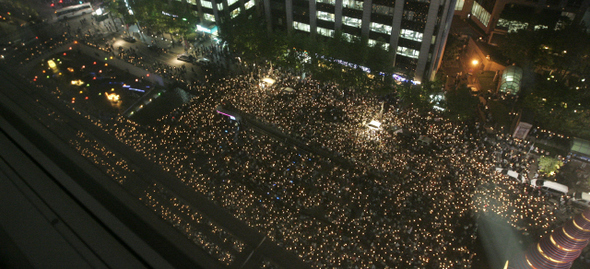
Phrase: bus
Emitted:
{"points": [[73, 11]]}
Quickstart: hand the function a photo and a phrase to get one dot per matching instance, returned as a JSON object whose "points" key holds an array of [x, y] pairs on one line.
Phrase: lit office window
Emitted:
{"points": [[512, 26], [411, 35], [301, 26], [481, 14], [379, 9], [325, 16], [331, 2], [348, 37], [234, 13], [208, 17], [358, 5], [206, 4], [325, 32], [412, 53], [380, 28], [540, 27], [354, 22], [192, 2], [460, 4], [249, 4], [372, 43], [231, 2], [220, 6]]}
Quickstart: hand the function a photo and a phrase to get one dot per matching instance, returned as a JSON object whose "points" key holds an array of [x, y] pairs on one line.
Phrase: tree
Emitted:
{"points": [[559, 107], [549, 165], [461, 105]]}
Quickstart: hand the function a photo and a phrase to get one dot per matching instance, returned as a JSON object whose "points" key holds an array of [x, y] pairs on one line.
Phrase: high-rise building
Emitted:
{"points": [[511, 15], [559, 249], [416, 30]]}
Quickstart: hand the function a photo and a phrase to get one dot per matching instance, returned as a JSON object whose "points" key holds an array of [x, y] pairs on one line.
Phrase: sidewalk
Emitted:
{"points": [[121, 64], [159, 42]]}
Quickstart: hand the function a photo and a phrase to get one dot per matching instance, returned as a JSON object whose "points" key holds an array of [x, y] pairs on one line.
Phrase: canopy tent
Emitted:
{"points": [[580, 146]]}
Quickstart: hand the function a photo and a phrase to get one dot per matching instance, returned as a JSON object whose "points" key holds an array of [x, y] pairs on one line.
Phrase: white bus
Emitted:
{"points": [[73, 11]]}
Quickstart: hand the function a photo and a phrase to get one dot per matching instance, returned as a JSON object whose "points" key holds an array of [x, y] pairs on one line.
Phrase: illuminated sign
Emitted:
{"points": [[113, 97], [170, 15], [204, 29], [132, 89], [77, 82], [225, 114]]}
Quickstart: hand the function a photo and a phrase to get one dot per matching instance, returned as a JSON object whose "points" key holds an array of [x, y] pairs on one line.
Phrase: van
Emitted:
{"points": [[550, 186], [581, 198]]}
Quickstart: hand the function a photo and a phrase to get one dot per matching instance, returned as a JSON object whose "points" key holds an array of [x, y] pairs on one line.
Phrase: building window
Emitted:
{"points": [[192, 2], [372, 43], [325, 32], [331, 2], [460, 4], [411, 53], [385, 10], [511, 26], [358, 5], [234, 13], [348, 37], [325, 16], [481, 14], [354, 22], [209, 17], [301, 26], [220, 6], [206, 4], [411, 35], [540, 27], [380, 28], [231, 2], [249, 4]]}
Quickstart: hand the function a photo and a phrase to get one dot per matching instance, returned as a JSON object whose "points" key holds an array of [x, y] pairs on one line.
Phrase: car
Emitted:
{"points": [[512, 174], [185, 58], [129, 38], [581, 198], [155, 48], [203, 61]]}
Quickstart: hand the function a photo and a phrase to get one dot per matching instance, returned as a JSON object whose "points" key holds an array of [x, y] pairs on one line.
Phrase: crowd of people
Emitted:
{"points": [[401, 204]]}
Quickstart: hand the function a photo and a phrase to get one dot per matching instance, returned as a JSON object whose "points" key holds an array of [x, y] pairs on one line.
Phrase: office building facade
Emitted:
{"points": [[414, 30], [487, 14]]}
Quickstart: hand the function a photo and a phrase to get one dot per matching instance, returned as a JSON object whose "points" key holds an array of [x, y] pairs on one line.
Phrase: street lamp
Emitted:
{"points": [[475, 62]]}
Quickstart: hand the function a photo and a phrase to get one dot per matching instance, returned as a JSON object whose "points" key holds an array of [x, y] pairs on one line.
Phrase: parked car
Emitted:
{"points": [[185, 58], [581, 198], [157, 49], [129, 38], [203, 61]]}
